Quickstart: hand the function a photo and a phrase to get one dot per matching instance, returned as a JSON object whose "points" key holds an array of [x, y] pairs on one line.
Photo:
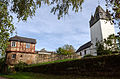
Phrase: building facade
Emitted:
{"points": [[101, 27], [21, 49]]}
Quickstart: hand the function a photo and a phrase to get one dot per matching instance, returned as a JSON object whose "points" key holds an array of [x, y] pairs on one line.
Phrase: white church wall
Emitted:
{"points": [[96, 34], [100, 31], [107, 28], [88, 52], [93, 50]]}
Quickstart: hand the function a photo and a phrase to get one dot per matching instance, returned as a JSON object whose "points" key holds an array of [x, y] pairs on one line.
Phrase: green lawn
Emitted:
{"points": [[29, 75]]}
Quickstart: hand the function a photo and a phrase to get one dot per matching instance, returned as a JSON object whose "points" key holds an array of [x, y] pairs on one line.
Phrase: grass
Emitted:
{"points": [[57, 61], [29, 75]]}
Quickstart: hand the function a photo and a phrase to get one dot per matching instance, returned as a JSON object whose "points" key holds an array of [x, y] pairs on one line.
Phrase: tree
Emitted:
{"points": [[66, 50], [107, 46], [115, 5], [26, 8], [6, 27]]}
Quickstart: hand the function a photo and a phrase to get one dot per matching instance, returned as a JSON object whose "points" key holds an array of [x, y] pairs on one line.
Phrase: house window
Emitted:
{"points": [[27, 45], [85, 52], [13, 56], [80, 53], [13, 44]]}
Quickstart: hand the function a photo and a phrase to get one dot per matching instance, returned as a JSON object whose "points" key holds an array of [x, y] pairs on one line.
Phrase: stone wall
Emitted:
{"points": [[54, 57], [21, 57], [36, 58]]}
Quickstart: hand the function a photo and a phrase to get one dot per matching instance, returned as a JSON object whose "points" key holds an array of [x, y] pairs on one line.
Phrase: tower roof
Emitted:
{"points": [[100, 13]]}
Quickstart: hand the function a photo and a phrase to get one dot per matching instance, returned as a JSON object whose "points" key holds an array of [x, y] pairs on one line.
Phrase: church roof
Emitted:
{"points": [[22, 39], [86, 45], [100, 13]]}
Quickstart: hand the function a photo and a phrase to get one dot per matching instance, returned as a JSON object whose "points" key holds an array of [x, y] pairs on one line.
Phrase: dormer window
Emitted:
{"points": [[13, 44], [27, 45]]}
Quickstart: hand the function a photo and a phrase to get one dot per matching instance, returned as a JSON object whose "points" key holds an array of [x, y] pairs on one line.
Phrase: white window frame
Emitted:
{"points": [[13, 45], [27, 45]]}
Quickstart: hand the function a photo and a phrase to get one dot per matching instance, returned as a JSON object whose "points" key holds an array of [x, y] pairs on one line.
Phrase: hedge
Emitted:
{"points": [[95, 66]]}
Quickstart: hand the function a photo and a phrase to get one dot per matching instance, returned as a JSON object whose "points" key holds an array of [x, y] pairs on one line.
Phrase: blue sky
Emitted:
{"points": [[52, 33]]}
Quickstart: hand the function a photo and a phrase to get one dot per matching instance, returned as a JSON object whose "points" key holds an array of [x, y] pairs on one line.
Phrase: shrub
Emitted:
{"points": [[1, 64], [4, 68], [89, 55], [104, 52], [20, 66]]}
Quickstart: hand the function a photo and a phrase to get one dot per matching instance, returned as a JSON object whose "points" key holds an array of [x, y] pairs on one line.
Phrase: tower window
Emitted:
{"points": [[21, 56], [27, 45], [13, 44]]}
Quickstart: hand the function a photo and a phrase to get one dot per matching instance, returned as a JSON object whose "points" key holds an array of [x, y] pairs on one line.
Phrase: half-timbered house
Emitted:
{"points": [[21, 49]]}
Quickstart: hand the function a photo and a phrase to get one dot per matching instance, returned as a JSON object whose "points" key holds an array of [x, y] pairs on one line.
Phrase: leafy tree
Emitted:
{"points": [[101, 49], [66, 50], [3, 66], [115, 5], [6, 27], [26, 8], [107, 46]]}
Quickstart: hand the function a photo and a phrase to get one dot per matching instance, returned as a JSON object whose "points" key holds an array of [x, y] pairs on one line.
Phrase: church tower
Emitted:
{"points": [[101, 26]]}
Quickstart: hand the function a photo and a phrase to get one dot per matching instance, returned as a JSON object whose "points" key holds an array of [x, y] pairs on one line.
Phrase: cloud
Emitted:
{"points": [[52, 33]]}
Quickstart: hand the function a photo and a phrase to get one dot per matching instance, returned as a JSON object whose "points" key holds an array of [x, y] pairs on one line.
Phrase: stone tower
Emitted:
{"points": [[101, 26]]}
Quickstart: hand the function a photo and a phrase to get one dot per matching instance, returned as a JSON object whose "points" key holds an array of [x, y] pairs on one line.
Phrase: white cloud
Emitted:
{"points": [[52, 33]]}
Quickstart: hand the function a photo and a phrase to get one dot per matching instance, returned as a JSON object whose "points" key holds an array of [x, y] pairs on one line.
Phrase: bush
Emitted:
{"points": [[89, 55], [4, 67], [105, 52], [20, 66], [2, 64]]}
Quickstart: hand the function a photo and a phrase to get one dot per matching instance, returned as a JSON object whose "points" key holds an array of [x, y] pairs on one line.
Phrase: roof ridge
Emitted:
{"points": [[84, 46], [22, 39]]}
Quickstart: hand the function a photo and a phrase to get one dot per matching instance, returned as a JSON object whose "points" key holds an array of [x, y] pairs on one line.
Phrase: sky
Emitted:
{"points": [[51, 33]]}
